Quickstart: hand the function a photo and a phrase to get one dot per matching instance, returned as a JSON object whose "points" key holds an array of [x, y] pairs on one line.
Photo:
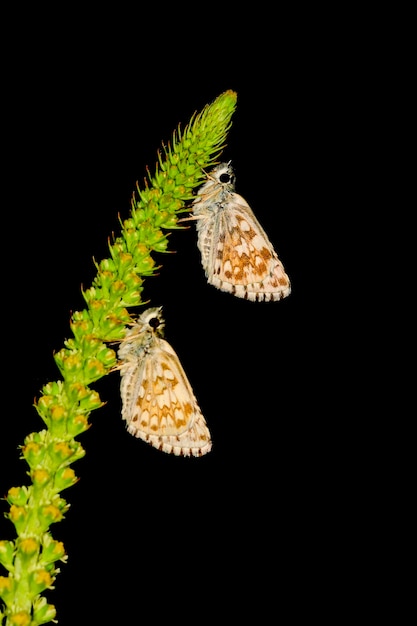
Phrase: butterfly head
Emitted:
{"points": [[223, 175], [152, 321]]}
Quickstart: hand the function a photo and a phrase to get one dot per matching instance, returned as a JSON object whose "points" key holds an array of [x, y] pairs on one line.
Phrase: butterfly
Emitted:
{"points": [[158, 403], [236, 254]]}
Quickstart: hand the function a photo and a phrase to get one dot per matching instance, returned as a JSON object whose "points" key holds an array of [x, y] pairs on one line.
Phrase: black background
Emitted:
{"points": [[246, 527]]}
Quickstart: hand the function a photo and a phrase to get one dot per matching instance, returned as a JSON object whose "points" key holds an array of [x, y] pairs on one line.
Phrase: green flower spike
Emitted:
{"points": [[65, 405]]}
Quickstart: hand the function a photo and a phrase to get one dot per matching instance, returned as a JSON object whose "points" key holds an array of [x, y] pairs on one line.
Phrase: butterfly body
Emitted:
{"points": [[158, 403], [236, 254]]}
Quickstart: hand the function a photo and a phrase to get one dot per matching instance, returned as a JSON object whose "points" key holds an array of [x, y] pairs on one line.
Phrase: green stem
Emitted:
{"points": [[65, 405]]}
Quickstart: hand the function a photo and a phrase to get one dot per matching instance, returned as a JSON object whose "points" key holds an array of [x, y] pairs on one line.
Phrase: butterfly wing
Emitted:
{"points": [[159, 405], [237, 255]]}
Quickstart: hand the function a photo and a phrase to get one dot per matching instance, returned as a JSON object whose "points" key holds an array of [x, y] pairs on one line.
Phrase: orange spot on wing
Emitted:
{"points": [[265, 253]]}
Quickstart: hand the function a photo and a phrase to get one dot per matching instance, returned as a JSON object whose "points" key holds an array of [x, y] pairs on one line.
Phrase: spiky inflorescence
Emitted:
{"points": [[65, 405]]}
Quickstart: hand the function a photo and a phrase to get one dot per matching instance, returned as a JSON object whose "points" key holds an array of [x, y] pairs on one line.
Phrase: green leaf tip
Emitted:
{"points": [[181, 164]]}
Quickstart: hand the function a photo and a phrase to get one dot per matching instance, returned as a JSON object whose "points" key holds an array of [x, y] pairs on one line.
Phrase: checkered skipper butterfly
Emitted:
{"points": [[236, 254], [158, 403]]}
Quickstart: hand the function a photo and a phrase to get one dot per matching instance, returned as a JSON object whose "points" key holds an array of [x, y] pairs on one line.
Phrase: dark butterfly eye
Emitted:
{"points": [[225, 178], [154, 322]]}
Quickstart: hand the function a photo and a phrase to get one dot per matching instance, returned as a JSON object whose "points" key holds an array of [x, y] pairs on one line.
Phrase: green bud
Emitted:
{"points": [[7, 585], [40, 438], [39, 580], [88, 399], [161, 245], [27, 553], [108, 265], [53, 389], [7, 550], [81, 328], [77, 424], [64, 478], [21, 618], [133, 281], [58, 421], [53, 413], [63, 453], [40, 478], [107, 356], [42, 611], [112, 325], [18, 515], [34, 453], [133, 298], [69, 363], [124, 260], [90, 294], [18, 496], [94, 369], [117, 288], [50, 514], [27, 547], [170, 222], [52, 550]]}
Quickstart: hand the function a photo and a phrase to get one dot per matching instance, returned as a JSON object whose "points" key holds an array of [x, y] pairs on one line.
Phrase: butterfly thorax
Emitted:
{"points": [[141, 338], [216, 192]]}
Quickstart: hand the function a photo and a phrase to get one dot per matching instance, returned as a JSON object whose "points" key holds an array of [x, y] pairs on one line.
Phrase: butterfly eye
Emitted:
{"points": [[225, 178], [154, 322]]}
